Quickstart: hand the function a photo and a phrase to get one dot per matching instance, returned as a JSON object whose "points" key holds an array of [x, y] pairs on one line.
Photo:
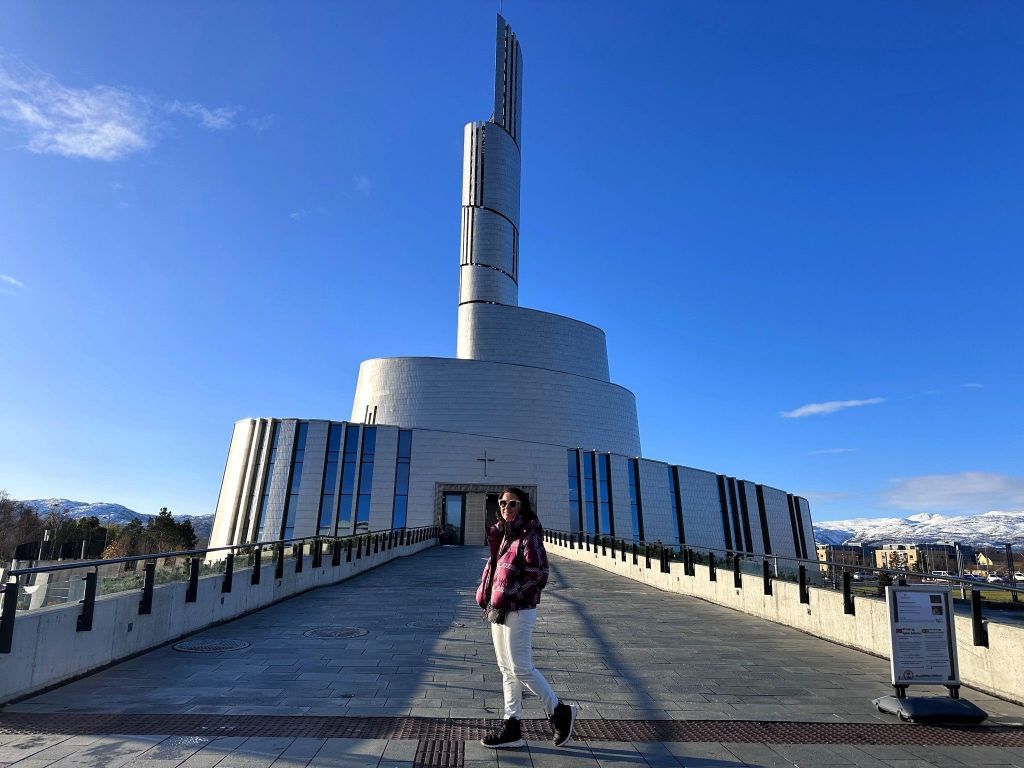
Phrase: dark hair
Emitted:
{"points": [[525, 507]]}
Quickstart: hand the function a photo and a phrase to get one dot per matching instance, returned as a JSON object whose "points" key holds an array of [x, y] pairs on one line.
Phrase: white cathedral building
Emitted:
{"points": [[527, 401]]}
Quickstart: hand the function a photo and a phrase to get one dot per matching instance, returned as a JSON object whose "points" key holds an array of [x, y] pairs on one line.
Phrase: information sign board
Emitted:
{"points": [[923, 635]]}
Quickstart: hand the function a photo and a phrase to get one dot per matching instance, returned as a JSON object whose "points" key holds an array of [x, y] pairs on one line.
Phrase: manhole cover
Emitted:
{"points": [[436, 624], [210, 646], [335, 633]]}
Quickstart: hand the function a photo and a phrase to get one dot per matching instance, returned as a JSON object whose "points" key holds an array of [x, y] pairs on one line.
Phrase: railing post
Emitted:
{"points": [[359, 548], [848, 606], [712, 568], [376, 543], [647, 556], [690, 562], [146, 603], [318, 553], [663, 557], [192, 593], [977, 624], [623, 542], [634, 553], [257, 566], [10, 605], [229, 572], [805, 595], [88, 604], [737, 577], [335, 553], [766, 576], [348, 551], [297, 553], [279, 563]]}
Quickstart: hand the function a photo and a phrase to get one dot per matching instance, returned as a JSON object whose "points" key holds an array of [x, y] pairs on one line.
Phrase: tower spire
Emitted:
{"points": [[489, 252]]}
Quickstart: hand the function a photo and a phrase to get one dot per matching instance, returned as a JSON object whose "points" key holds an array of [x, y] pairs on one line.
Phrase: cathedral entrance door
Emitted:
{"points": [[468, 510]]}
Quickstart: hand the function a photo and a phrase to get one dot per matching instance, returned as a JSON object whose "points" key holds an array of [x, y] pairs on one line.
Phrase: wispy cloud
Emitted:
{"points": [[363, 184], [219, 119], [821, 409], [100, 123], [833, 450], [103, 122], [973, 385], [11, 281], [299, 214], [966, 492], [262, 123]]}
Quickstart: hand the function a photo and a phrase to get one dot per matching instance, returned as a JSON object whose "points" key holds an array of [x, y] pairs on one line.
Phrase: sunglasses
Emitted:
{"points": [[510, 503]]}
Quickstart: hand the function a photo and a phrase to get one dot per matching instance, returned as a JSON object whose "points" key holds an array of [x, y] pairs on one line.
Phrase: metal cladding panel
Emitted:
{"points": [[523, 336], [273, 515], [779, 526], [618, 485], [508, 81], [308, 510], [489, 239], [757, 538], [655, 493], [499, 399], [231, 487], [805, 520], [478, 283], [501, 173], [382, 498], [473, 165], [702, 508]]}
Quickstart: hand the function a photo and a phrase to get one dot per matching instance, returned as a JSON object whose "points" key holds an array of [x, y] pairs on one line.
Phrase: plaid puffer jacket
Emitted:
{"points": [[517, 569]]}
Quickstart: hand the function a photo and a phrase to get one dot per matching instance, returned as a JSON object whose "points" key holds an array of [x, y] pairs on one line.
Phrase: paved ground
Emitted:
{"points": [[624, 652]]}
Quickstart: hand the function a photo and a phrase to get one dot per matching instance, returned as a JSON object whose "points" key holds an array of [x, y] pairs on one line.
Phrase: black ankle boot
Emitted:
{"points": [[561, 722], [509, 736]]}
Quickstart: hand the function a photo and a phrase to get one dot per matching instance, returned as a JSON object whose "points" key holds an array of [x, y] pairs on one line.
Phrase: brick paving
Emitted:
{"points": [[404, 675]]}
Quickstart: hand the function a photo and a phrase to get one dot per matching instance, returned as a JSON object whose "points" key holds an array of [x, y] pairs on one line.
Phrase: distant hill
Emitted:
{"points": [[978, 530], [114, 513]]}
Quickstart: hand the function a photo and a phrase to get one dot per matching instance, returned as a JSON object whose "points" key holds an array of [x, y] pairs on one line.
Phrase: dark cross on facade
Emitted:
{"points": [[485, 460]]}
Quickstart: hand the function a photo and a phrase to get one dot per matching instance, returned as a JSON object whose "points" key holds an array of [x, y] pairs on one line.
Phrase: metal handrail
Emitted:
{"points": [[896, 572], [579, 539], [383, 539], [196, 552]]}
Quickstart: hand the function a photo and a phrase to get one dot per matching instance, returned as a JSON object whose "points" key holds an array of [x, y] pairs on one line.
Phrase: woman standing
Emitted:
{"points": [[509, 592]]}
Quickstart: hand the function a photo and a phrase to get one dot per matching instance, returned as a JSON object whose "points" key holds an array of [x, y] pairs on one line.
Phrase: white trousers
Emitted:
{"points": [[513, 642]]}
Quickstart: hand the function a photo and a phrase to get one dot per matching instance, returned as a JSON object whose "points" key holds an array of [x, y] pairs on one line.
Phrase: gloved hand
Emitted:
{"points": [[495, 615]]}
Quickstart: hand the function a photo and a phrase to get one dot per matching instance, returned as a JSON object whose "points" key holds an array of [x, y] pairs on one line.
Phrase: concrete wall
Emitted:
{"points": [[48, 650], [996, 669]]}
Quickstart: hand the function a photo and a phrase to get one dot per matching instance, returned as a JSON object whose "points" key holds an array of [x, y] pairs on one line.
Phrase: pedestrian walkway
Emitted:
{"points": [[402, 655]]}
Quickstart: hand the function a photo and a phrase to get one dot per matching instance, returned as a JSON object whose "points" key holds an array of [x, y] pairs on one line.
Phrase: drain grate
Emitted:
{"points": [[209, 645], [435, 753], [441, 729], [336, 633], [436, 624]]}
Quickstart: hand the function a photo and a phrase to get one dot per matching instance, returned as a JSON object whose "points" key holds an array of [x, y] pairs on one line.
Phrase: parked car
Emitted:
{"points": [[941, 577], [863, 576], [995, 579]]}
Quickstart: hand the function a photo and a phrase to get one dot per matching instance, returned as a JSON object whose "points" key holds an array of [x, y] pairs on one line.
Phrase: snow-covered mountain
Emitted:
{"points": [[112, 513], [979, 530]]}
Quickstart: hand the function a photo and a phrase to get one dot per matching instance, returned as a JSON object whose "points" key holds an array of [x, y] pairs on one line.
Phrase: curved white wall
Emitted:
{"points": [[531, 337], [500, 399]]}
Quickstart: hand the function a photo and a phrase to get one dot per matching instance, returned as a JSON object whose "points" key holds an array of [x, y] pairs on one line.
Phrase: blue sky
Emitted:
{"points": [[800, 225]]}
